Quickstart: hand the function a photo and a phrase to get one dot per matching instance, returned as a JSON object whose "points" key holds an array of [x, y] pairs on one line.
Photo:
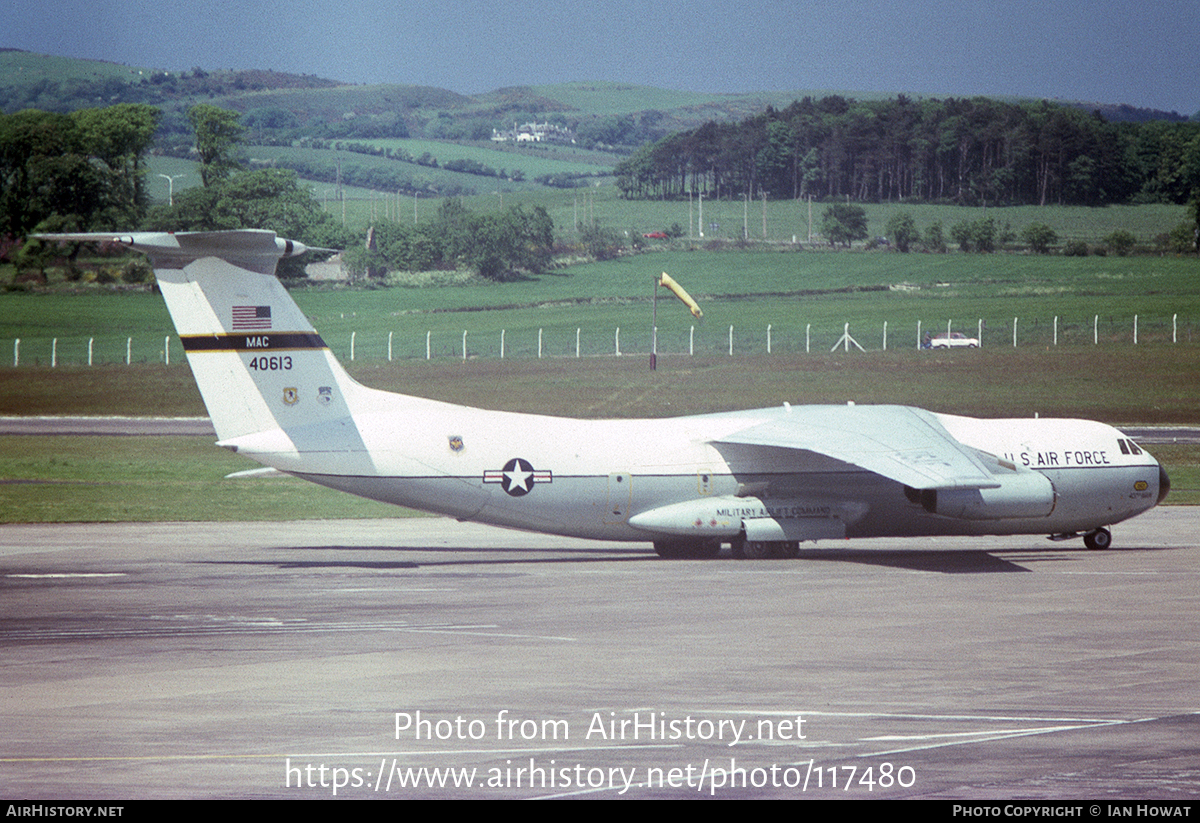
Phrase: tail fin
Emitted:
{"points": [[267, 378]]}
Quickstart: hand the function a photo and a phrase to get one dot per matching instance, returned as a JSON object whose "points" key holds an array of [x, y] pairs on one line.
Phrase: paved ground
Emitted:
{"points": [[279, 660]]}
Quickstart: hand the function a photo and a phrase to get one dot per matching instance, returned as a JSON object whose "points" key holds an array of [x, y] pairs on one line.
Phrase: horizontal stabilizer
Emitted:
{"points": [[256, 250]]}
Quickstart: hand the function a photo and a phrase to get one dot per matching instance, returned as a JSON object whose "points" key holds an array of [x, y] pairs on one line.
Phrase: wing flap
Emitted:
{"points": [[902, 443]]}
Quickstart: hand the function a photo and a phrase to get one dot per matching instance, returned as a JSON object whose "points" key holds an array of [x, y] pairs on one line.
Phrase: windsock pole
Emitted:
{"points": [[654, 330]]}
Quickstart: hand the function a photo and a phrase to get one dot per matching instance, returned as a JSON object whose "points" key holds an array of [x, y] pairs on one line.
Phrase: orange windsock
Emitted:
{"points": [[679, 292]]}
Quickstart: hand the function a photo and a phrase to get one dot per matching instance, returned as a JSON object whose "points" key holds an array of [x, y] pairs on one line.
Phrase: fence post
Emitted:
{"points": [[1014, 332], [390, 346], [918, 334], [167, 350], [885, 335], [428, 352], [807, 337], [353, 334], [16, 352], [464, 344], [692, 342], [91, 340], [1135, 330], [731, 341], [618, 341], [539, 344], [979, 333], [54, 348], [577, 343], [1174, 328], [1056, 329], [128, 351], [768, 338], [502, 333], [1096, 330]]}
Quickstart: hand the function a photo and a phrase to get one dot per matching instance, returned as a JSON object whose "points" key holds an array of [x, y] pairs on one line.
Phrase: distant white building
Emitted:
{"points": [[331, 269], [534, 133]]}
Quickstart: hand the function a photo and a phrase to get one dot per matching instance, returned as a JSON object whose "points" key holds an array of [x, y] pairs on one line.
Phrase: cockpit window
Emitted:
{"points": [[1128, 446]]}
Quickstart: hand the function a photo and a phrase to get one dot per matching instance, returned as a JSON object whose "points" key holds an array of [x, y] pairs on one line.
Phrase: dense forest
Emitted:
{"points": [[976, 151]]}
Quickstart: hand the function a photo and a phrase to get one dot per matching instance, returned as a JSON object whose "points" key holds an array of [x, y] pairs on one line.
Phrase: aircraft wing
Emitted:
{"points": [[902, 443]]}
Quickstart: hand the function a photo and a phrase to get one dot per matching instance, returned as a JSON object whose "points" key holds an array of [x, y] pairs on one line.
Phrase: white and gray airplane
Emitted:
{"points": [[762, 481]]}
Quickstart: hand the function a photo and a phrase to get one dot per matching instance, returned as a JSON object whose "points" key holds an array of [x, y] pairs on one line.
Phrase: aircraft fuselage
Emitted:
{"points": [[598, 479]]}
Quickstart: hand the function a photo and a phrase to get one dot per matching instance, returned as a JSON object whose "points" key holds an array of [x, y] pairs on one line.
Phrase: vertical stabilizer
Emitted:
{"points": [[261, 367], [259, 363]]}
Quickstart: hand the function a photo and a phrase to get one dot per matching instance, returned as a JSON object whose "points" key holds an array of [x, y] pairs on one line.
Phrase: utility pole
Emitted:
{"points": [[171, 187]]}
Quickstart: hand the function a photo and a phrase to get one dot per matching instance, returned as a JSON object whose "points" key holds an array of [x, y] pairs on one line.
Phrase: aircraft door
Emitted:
{"points": [[620, 493]]}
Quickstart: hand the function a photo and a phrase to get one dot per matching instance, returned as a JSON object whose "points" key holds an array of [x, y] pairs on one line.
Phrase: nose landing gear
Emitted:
{"points": [[1098, 540]]}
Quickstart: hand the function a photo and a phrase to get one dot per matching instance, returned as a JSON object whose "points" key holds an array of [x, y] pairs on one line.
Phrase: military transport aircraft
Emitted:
{"points": [[762, 481]]}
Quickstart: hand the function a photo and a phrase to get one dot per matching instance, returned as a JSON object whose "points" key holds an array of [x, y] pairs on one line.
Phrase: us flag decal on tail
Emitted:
{"points": [[251, 317]]}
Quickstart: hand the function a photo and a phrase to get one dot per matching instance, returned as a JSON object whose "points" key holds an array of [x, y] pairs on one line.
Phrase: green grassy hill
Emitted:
{"points": [[307, 122]]}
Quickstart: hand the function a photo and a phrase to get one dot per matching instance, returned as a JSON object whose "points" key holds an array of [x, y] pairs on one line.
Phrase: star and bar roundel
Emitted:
{"points": [[518, 477]]}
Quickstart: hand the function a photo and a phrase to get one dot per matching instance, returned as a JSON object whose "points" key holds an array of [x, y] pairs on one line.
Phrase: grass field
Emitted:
{"points": [[722, 219], [805, 297], [424, 176], [725, 220], [109, 479], [1150, 385]]}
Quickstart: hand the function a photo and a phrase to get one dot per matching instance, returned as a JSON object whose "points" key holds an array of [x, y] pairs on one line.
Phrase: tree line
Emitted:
{"points": [[975, 151], [70, 172], [498, 245], [86, 171]]}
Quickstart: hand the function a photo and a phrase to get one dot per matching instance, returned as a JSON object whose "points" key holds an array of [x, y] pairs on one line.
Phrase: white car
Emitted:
{"points": [[953, 340]]}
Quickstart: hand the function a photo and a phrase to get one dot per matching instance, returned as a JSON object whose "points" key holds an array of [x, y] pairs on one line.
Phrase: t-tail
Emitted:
{"points": [[268, 380]]}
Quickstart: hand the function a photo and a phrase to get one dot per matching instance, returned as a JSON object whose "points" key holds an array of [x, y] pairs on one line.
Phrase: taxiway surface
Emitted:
{"points": [[292, 660]]}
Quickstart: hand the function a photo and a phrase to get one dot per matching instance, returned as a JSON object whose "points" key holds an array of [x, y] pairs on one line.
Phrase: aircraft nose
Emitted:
{"points": [[1164, 483]]}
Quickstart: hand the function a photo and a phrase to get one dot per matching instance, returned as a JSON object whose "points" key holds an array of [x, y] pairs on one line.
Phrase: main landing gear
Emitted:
{"points": [[744, 549]]}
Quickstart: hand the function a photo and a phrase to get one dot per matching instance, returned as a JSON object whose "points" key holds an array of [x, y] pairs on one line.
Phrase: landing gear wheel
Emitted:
{"points": [[669, 549], [757, 550], [1098, 540], [705, 549], [789, 550], [738, 546], [744, 549], [687, 549]]}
